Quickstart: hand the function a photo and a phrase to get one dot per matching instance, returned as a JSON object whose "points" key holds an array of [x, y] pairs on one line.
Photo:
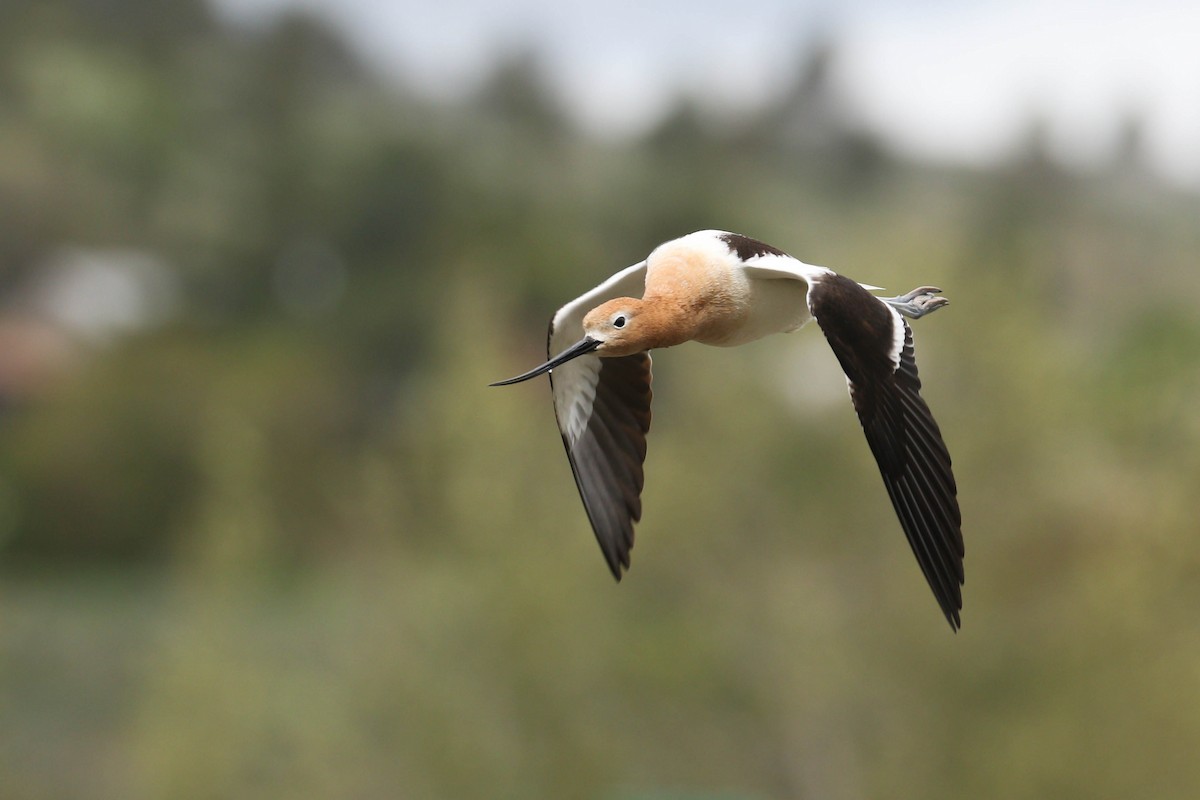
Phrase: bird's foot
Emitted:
{"points": [[918, 302]]}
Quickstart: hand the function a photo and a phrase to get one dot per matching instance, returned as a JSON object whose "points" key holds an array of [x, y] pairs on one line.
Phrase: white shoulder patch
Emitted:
{"points": [[899, 328]]}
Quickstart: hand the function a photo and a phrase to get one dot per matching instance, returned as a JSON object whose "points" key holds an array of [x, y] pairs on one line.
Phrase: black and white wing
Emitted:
{"points": [[873, 344], [603, 411]]}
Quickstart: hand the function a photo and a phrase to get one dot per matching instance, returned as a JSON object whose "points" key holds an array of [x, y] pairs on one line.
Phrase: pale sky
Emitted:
{"points": [[954, 81]]}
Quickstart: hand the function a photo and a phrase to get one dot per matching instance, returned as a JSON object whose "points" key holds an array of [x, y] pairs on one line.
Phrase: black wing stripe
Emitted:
{"points": [[604, 477], [619, 467], [941, 505], [880, 424], [901, 503], [918, 414], [609, 527], [931, 463], [932, 519], [936, 472], [931, 489], [900, 430], [915, 521], [625, 435], [935, 463], [607, 456], [920, 456], [929, 436]]}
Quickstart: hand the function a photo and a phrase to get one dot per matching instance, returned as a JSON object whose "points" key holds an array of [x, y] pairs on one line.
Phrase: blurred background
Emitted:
{"points": [[265, 532]]}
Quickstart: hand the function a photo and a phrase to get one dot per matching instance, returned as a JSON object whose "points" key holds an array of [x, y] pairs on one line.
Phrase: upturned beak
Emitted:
{"points": [[580, 348]]}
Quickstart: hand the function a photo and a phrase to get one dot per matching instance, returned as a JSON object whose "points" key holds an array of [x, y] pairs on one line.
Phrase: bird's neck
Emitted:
{"points": [[672, 320]]}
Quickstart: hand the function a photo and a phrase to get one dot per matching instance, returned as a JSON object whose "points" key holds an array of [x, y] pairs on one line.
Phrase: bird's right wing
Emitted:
{"points": [[603, 410]]}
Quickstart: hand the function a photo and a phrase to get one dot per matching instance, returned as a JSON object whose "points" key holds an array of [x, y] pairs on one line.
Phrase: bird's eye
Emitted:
{"points": [[619, 321]]}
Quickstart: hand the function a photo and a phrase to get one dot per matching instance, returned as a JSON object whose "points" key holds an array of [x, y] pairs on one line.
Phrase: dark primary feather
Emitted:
{"points": [[901, 431], [607, 457]]}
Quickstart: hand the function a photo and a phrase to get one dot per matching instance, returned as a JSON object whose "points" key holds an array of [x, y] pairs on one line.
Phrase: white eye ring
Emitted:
{"points": [[619, 321]]}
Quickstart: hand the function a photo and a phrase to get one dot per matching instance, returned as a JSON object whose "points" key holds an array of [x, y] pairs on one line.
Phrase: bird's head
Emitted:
{"points": [[617, 326]]}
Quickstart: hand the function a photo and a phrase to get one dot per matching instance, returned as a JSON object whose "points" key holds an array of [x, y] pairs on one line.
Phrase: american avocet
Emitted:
{"points": [[725, 289]]}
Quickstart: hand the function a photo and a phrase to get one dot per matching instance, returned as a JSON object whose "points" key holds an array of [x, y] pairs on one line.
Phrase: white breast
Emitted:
{"points": [[769, 306]]}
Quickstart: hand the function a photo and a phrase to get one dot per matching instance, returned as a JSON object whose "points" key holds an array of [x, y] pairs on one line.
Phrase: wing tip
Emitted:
{"points": [[955, 620], [951, 602], [617, 560]]}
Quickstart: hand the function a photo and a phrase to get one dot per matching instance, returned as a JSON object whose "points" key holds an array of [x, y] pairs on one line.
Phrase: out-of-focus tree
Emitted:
{"points": [[251, 295]]}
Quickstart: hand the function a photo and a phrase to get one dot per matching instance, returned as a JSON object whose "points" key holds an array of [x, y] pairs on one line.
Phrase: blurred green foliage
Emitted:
{"points": [[284, 542]]}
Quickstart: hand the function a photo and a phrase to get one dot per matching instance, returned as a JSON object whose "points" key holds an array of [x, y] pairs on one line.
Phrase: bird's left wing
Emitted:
{"points": [[603, 410], [873, 344]]}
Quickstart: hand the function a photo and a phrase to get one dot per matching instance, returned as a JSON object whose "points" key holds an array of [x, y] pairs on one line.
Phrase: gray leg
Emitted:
{"points": [[918, 302]]}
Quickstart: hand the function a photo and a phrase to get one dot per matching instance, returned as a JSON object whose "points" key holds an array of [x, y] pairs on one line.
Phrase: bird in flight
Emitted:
{"points": [[725, 289]]}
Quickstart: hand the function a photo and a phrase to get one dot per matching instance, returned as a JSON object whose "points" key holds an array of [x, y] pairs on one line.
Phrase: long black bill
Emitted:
{"points": [[581, 348]]}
